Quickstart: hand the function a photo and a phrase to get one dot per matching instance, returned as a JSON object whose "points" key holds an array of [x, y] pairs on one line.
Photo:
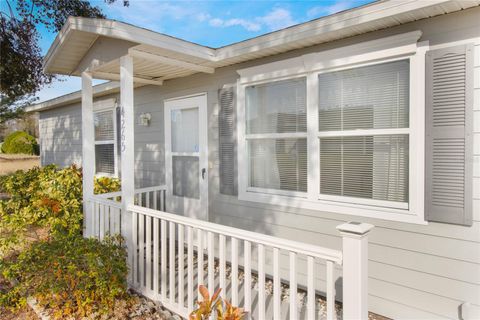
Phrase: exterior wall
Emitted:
{"points": [[149, 141], [415, 271], [61, 136]]}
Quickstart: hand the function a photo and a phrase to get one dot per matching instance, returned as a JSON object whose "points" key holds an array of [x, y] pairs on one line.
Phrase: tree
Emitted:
{"points": [[21, 71]]}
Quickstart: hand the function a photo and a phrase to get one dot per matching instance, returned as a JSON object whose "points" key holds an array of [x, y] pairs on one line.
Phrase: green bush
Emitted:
{"points": [[105, 185], [20, 142], [45, 197], [66, 273], [72, 276]]}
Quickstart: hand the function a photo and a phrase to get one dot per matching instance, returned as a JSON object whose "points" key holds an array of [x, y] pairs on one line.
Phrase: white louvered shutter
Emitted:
{"points": [[449, 135], [227, 141]]}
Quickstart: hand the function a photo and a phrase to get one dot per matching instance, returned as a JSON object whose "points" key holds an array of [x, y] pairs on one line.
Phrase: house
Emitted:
{"points": [[369, 115]]}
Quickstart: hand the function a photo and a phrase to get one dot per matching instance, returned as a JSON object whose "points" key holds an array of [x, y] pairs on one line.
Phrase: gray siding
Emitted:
{"points": [[61, 136], [149, 141], [416, 271]]}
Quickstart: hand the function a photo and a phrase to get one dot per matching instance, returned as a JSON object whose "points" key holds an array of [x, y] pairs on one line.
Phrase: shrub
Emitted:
{"points": [[41, 197], [106, 184], [72, 276], [44, 197], [20, 142]]}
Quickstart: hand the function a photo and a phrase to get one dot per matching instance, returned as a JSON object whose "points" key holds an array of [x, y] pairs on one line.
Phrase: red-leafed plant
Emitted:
{"points": [[208, 306]]}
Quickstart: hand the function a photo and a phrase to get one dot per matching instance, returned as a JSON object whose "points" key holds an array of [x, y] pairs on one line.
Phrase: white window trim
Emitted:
{"points": [[114, 142], [399, 47]]}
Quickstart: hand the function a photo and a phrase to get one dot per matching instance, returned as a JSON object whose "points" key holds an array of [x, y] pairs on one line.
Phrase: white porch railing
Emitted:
{"points": [[104, 211], [173, 254]]}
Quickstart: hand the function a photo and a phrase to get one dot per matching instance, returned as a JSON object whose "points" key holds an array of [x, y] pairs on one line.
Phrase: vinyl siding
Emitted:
{"points": [[415, 271], [61, 136]]}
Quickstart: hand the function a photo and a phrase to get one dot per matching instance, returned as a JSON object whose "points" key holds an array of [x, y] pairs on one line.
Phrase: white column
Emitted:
{"points": [[127, 151], [88, 151], [355, 269]]}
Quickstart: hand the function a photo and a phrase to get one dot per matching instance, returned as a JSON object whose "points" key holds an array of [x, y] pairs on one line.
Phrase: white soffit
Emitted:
{"points": [[78, 34]]}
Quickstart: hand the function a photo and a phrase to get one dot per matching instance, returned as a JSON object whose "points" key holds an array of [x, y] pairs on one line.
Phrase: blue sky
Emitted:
{"points": [[210, 23]]}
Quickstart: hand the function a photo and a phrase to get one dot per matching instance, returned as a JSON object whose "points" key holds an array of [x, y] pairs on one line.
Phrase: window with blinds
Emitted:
{"points": [[363, 113], [104, 123], [276, 134]]}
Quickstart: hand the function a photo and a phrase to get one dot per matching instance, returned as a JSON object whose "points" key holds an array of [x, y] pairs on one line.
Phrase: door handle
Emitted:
{"points": [[204, 171]]}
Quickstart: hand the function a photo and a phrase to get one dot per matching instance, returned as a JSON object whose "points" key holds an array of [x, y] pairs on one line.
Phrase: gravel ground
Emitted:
{"points": [[11, 164]]}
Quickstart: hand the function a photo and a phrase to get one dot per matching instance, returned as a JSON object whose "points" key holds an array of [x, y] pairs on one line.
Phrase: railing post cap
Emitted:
{"points": [[355, 228]]}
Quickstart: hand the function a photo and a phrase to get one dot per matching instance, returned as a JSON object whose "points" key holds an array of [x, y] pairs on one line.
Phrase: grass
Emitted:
{"points": [[12, 162]]}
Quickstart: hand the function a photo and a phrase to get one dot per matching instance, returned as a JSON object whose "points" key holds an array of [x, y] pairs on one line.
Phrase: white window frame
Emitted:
{"points": [[273, 136], [114, 142], [394, 48]]}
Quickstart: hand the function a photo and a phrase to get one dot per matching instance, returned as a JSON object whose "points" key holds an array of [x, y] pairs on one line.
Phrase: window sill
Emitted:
{"points": [[360, 210]]}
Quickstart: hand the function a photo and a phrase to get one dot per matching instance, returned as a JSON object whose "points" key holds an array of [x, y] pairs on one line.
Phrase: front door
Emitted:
{"points": [[186, 156]]}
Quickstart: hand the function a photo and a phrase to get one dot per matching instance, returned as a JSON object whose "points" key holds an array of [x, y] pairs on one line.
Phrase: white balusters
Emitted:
{"points": [[200, 260], [163, 270], [276, 285], [234, 274], [148, 247], [261, 281], [211, 263], [135, 247], [222, 253], [293, 286], [141, 251], [147, 200], [156, 260], [310, 288], [247, 280], [330, 292], [171, 265], [190, 297], [163, 263], [181, 266]]}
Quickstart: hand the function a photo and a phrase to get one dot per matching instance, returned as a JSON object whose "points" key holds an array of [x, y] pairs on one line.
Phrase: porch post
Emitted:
{"points": [[88, 151], [355, 269], [127, 152]]}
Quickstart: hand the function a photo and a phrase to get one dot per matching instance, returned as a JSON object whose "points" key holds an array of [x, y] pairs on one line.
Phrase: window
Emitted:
{"points": [[105, 143], [276, 133], [363, 149], [337, 131]]}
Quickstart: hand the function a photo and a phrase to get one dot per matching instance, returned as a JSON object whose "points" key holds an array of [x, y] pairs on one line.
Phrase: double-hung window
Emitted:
{"points": [[105, 143], [363, 120], [337, 133], [276, 134]]}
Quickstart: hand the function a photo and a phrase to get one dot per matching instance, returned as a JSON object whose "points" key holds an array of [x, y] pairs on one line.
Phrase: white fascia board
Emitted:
{"points": [[98, 90], [123, 31], [393, 46], [351, 18]]}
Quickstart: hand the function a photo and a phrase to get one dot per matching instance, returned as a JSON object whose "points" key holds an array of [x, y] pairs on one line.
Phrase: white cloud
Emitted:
{"points": [[330, 9], [153, 14], [276, 19], [247, 25]]}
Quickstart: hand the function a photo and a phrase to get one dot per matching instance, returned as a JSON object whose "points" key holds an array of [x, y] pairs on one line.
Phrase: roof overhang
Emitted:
{"points": [[158, 57], [98, 91]]}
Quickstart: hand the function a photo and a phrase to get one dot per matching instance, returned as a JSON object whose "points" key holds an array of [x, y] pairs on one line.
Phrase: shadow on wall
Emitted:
{"points": [[149, 140], [61, 136]]}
